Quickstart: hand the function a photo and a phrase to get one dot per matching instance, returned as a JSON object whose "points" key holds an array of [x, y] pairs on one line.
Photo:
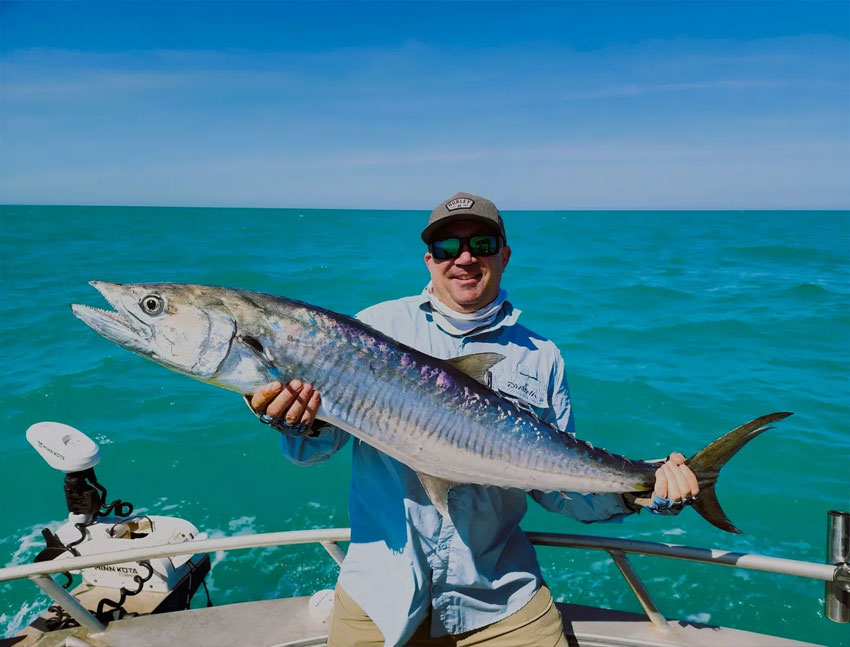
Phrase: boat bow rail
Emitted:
{"points": [[836, 575]]}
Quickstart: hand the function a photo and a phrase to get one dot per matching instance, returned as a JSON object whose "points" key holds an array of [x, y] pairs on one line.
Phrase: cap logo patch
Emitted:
{"points": [[459, 203]]}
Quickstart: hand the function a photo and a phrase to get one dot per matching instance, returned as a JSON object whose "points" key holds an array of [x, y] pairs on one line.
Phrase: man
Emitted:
{"points": [[412, 576]]}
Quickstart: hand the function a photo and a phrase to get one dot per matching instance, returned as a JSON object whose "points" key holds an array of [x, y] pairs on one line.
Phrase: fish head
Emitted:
{"points": [[188, 329]]}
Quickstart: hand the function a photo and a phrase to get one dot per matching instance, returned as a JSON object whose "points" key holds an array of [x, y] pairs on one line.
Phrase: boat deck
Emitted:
{"points": [[288, 623]]}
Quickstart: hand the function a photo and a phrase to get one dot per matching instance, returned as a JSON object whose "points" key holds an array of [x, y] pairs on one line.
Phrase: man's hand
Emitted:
{"points": [[675, 481], [295, 404], [675, 486]]}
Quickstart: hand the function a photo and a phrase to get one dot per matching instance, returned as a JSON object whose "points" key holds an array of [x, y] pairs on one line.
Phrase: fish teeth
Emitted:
{"points": [[109, 313]]}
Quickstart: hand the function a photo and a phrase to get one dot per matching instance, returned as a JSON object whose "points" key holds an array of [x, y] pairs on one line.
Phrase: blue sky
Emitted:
{"points": [[632, 105]]}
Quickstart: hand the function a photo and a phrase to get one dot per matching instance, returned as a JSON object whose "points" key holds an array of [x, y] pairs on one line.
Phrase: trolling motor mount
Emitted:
{"points": [[81, 496]]}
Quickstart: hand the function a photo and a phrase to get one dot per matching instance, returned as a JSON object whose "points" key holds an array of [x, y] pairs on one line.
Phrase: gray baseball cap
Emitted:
{"points": [[464, 206]]}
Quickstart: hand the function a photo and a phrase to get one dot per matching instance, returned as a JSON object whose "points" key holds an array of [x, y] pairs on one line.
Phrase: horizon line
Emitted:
{"points": [[421, 210]]}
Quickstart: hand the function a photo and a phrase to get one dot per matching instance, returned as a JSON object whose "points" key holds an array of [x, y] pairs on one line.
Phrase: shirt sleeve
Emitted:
{"points": [[586, 508], [310, 450]]}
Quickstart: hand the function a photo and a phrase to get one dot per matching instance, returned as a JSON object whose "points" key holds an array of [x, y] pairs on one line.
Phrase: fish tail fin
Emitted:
{"points": [[706, 465]]}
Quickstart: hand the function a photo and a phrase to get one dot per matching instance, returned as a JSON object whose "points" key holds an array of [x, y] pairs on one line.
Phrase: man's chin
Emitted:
{"points": [[469, 299]]}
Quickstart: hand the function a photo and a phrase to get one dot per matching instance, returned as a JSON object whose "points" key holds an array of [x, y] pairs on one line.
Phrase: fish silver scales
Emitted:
{"points": [[461, 425], [433, 415]]}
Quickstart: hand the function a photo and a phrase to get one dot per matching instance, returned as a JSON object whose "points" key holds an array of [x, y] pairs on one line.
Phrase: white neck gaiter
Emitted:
{"points": [[461, 323]]}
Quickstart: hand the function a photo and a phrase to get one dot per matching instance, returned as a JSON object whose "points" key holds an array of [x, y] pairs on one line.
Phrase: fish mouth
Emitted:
{"points": [[119, 325]]}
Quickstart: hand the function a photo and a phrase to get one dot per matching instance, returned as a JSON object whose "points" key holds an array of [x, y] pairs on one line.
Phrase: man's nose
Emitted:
{"points": [[466, 256]]}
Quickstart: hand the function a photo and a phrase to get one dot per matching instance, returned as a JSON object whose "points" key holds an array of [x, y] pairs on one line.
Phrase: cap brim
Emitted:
{"points": [[434, 227]]}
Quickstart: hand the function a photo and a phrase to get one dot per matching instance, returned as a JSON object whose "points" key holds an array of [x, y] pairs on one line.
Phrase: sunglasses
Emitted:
{"points": [[485, 245]]}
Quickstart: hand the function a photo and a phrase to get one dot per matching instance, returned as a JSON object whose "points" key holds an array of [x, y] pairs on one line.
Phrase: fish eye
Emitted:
{"points": [[152, 304]]}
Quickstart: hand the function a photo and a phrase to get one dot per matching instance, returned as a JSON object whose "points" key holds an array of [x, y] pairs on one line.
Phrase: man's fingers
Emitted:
{"points": [[281, 404], [296, 409], [678, 486], [661, 483], [674, 480], [676, 458], [690, 478], [265, 394], [312, 408]]}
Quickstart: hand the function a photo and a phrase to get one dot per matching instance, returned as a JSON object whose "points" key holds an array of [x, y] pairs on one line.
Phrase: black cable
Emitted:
{"points": [[118, 507], [133, 535], [124, 593], [192, 568], [85, 495], [63, 619], [67, 585], [81, 528], [207, 591], [150, 521]]}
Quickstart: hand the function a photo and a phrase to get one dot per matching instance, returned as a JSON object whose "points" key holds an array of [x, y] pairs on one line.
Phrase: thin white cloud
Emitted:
{"points": [[547, 125], [633, 90], [643, 68], [593, 174]]}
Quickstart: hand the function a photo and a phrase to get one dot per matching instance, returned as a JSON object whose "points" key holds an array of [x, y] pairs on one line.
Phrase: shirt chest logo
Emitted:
{"points": [[522, 388]]}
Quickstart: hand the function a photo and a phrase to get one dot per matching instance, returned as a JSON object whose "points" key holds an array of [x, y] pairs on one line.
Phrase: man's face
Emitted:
{"points": [[466, 283]]}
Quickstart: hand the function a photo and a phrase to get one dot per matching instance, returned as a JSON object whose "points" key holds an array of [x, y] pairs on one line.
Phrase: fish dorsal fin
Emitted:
{"points": [[477, 364], [437, 490]]}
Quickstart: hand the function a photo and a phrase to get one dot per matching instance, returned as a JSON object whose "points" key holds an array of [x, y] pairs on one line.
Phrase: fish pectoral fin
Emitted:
{"points": [[437, 490], [477, 364]]}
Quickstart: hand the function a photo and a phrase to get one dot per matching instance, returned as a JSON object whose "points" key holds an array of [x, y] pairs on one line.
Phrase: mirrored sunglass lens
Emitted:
{"points": [[448, 248], [483, 245]]}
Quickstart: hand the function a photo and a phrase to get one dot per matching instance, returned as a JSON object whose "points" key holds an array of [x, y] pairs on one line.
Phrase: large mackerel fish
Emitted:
{"points": [[435, 416]]}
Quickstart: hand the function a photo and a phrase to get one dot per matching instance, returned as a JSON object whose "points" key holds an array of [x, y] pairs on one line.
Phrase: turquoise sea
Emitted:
{"points": [[675, 327]]}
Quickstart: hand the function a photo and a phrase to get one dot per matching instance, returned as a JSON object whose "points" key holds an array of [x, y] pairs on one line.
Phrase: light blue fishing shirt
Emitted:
{"points": [[476, 567]]}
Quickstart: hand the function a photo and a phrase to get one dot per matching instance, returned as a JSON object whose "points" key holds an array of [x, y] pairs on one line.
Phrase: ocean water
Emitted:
{"points": [[675, 327]]}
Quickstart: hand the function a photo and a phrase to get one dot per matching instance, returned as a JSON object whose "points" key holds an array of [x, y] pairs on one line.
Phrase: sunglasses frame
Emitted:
{"points": [[465, 241]]}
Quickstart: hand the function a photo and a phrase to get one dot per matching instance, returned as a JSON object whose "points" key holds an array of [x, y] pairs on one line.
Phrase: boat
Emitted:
{"points": [[122, 556]]}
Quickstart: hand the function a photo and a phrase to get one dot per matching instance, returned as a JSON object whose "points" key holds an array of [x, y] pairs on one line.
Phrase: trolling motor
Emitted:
{"points": [[93, 527]]}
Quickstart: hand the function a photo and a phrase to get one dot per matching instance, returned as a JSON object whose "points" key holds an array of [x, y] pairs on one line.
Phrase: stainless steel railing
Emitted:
{"points": [[836, 575]]}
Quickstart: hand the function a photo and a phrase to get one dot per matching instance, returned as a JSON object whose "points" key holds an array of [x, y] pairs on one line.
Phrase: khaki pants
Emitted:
{"points": [[537, 624]]}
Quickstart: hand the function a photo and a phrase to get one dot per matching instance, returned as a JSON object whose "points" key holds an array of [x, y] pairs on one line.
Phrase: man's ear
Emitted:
{"points": [[506, 256]]}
